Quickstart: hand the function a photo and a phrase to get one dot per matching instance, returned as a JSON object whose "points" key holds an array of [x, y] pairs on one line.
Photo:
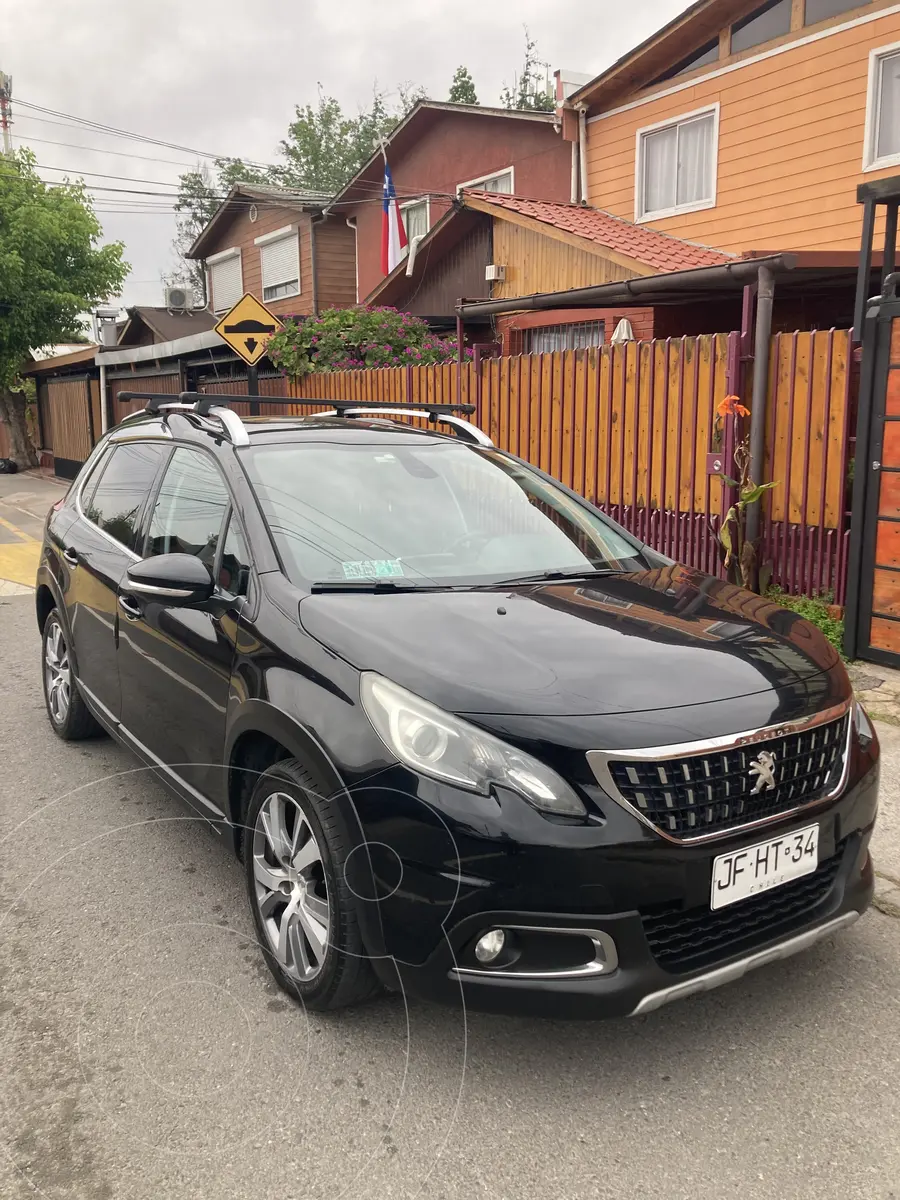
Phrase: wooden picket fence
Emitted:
{"points": [[634, 427]]}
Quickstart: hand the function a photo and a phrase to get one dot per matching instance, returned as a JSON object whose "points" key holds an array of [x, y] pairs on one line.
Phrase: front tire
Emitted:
{"points": [[70, 717], [295, 850]]}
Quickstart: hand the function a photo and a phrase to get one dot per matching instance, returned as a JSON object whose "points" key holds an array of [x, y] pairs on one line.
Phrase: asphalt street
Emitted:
{"points": [[146, 1053]]}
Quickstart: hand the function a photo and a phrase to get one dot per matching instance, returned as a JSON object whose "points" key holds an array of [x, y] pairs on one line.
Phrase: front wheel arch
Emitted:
{"points": [[259, 736], [261, 729]]}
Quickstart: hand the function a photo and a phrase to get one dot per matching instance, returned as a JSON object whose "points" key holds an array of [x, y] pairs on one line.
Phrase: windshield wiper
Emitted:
{"points": [[550, 576], [365, 585]]}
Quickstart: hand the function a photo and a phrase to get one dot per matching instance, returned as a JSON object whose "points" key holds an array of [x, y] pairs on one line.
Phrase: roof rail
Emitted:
{"points": [[204, 405], [339, 406], [466, 431], [163, 402]]}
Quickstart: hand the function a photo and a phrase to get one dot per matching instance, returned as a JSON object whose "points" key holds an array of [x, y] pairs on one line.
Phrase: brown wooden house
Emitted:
{"points": [[281, 245], [439, 149], [538, 246]]}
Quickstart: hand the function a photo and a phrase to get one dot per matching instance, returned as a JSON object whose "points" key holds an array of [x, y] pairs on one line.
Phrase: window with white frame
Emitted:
{"points": [[279, 257], [226, 283], [502, 181], [544, 339], [883, 112], [676, 165], [415, 219]]}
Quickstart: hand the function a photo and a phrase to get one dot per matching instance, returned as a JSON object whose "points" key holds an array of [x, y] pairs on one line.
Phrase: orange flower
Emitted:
{"points": [[731, 407]]}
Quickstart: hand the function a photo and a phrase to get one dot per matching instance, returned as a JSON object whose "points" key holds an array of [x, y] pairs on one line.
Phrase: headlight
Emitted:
{"points": [[863, 726], [442, 746]]}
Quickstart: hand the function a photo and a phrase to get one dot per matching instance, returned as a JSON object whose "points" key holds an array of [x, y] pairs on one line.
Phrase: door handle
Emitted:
{"points": [[130, 608], [71, 557]]}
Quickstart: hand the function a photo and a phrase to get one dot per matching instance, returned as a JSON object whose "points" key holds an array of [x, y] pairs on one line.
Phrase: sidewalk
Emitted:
{"points": [[878, 689], [25, 499]]}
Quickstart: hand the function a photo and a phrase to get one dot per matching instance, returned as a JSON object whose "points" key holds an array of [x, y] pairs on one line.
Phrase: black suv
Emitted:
{"points": [[467, 735]]}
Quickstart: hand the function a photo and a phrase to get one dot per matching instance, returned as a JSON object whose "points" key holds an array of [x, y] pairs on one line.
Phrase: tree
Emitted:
{"points": [[532, 89], [462, 89], [52, 269], [324, 148], [199, 195]]}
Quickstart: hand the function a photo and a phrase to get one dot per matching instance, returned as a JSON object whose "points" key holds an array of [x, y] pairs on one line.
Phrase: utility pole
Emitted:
{"points": [[6, 111]]}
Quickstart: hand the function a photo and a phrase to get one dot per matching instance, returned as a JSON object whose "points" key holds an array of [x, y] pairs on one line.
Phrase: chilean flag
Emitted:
{"points": [[393, 235]]}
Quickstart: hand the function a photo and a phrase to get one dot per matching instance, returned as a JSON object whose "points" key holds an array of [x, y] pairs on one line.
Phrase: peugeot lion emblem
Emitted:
{"points": [[763, 768]]}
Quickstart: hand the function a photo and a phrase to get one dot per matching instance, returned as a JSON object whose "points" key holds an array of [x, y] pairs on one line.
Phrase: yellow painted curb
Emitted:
{"points": [[19, 563]]}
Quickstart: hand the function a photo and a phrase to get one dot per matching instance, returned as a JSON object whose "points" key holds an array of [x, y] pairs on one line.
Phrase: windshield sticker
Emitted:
{"points": [[373, 568]]}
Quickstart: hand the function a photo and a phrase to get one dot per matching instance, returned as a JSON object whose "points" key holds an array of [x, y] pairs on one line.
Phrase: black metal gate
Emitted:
{"points": [[872, 625]]}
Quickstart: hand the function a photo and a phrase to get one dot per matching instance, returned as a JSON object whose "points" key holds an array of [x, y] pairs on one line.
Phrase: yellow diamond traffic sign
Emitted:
{"points": [[247, 328]]}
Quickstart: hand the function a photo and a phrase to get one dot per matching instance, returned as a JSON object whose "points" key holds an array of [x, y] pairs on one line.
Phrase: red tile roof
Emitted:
{"points": [[661, 251]]}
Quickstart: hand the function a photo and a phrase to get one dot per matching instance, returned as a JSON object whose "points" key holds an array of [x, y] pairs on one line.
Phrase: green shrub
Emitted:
{"points": [[348, 339], [815, 610]]}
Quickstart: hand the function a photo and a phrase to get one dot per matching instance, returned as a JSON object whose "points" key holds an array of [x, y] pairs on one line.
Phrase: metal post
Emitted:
{"points": [[890, 242], [460, 357], [865, 269], [746, 328], [764, 302], [253, 389]]}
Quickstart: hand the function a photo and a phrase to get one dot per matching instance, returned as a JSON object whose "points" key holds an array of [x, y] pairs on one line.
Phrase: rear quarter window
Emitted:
{"points": [[117, 500]]}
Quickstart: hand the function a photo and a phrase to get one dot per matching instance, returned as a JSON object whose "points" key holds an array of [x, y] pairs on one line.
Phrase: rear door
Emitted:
{"points": [[175, 663], [96, 550]]}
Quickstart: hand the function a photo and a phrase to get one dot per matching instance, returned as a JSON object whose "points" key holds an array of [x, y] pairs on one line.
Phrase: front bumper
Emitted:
{"points": [[637, 984], [607, 891]]}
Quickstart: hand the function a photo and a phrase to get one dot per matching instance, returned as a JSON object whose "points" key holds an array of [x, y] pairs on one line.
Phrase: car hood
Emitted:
{"points": [[657, 639]]}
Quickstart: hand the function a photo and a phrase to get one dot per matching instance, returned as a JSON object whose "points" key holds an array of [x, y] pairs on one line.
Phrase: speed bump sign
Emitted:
{"points": [[247, 329]]}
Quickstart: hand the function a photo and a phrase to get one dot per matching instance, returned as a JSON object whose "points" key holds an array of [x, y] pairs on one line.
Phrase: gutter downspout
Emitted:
{"points": [[582, 151], [351, 223], [313, 222], [104, 403], [764, 302], [104, 415], [574, 190]]}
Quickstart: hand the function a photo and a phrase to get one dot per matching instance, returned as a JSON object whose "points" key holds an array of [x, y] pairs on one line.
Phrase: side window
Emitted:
{"points": [[190, 508], [234, 566], [122, 490], [93, 475]]}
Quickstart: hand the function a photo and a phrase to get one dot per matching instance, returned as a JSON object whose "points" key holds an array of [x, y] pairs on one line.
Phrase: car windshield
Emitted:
{"points": [[432, 513]]}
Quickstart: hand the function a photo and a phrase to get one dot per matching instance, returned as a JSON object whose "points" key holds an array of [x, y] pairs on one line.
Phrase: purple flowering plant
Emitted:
{"points": [[344, 339]]}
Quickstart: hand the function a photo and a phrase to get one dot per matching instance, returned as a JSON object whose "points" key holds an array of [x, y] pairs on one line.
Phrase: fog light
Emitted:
{"points": [[490, 946]]}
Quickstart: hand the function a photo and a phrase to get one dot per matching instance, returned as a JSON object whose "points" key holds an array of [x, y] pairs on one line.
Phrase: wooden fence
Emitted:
{"points": [[631, 427]]}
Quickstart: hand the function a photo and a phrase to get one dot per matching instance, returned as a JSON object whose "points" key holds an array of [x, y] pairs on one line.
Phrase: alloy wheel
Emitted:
{"points": [[290, 886], [57, 674]]}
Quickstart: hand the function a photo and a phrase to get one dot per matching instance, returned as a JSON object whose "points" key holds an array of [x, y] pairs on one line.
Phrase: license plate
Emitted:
{"points": [[766, 865]]}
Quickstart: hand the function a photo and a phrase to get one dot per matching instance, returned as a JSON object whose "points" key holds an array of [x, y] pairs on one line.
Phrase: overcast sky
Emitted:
{"points": [[224, 77]]}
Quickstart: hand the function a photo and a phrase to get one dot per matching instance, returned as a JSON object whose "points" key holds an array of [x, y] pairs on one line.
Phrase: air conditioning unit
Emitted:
{"points": [[179, 299], [495, 273]]}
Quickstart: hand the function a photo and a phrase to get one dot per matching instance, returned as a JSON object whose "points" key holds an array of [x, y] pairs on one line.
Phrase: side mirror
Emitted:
{"points": [[174, 579]]}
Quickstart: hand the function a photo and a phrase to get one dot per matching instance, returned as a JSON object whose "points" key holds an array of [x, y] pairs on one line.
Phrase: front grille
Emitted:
{"points": [[692, 939], [703, 794]]}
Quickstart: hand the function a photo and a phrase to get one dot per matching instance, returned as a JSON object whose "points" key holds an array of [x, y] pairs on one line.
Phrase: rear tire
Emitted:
{"points": [[296, 846], [70, 717]]}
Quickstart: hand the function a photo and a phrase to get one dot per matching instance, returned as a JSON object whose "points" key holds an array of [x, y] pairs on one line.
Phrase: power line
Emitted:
{"points": [[102, 127], [19, 137]]}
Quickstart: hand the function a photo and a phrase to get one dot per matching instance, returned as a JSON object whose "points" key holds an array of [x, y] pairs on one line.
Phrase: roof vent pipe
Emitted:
{"points": [[582, 150], [413, 247]]}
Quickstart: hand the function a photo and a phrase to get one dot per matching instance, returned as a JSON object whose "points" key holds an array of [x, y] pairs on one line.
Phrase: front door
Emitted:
{"points": [[175, 662], [97, 549]]}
